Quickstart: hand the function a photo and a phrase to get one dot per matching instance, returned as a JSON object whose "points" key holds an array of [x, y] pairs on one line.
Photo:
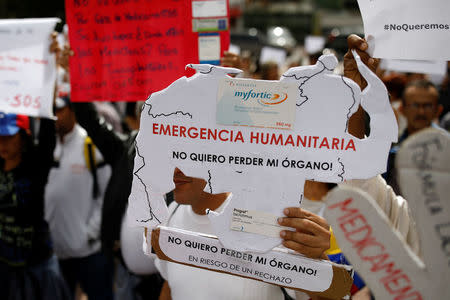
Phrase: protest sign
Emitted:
{"points": [[314, 44], [379, 253], [279, 267], [415, 66], [27, 68], [407, 29], [263, 164], [126, 50], [272, 54]]}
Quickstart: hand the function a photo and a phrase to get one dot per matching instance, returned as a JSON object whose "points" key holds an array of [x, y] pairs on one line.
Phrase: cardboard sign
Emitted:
{"points": [[278, 267], [379, 254], [407, 29], [126, 50], [27, 68], [263, 168]]}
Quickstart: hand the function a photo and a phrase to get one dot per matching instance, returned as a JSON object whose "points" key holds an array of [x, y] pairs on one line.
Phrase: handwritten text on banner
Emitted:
{"points": [[125, 50], [27, 68]]}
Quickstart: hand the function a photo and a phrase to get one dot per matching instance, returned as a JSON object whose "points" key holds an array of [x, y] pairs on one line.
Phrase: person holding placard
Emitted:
{"points": [[73, 206], [310, 237], [28, 268], [420, 106]]}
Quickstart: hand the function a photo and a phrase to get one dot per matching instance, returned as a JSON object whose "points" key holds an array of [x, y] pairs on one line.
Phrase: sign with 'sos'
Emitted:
{"points": [[27, 68]]}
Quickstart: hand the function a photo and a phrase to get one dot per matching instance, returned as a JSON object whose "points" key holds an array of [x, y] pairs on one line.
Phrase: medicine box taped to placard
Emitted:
{"points": [[257, 103], [263, 168]]}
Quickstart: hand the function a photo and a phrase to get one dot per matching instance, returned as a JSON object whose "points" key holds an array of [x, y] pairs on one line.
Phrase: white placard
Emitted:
{"points": [[271, 54], [314, 44], [263, 168], [234, 49], [27, 68], [209, 47], [376, 250], [277, 267], [407, 29], [415, 66], [209, 8]]}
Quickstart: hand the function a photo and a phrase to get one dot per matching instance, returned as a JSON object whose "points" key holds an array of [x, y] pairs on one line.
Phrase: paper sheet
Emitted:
{"points": [[415, 66], [314, 44], [407, 29], [27, 68], [269, 54]]}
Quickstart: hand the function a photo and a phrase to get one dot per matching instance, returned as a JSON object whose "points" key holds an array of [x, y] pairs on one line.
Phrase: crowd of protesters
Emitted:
{"points": [[64, 191]]}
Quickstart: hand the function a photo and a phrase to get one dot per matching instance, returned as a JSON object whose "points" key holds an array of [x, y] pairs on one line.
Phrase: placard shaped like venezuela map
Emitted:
{"points": [[263, 168]]}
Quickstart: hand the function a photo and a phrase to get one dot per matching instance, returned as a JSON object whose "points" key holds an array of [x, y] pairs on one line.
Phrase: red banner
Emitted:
{"points": [[127, 49]]}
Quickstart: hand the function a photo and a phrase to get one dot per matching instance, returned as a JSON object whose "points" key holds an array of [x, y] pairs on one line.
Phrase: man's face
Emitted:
{"points": [[10, 146], [66, 120], [420, 107], [187, 189]]}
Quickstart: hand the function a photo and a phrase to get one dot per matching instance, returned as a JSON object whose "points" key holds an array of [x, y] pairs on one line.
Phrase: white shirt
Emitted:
{"points": [[193, 283], [73, 215]]}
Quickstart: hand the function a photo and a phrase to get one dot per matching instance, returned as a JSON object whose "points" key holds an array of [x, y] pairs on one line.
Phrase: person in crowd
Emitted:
{"points": [[73, 204], [310, 236], [269, 71], [395, 84], [28, 267], [421, 108], [118, 152]]}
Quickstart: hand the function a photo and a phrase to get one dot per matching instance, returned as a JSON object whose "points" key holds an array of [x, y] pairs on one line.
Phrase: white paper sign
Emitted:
{"points": [[263, 168], [314, 44], [415, 66], [407, 29], [271, 54], [209, 47], [234, 49], [210, 8], [277, 267], [379, 254], [27, 68]]}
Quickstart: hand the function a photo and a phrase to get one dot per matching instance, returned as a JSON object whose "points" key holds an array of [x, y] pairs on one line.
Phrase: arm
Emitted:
{"points": [[310, 237], [45, 148], [395, 208], [165, 292], [110, 143], [356, 123]]}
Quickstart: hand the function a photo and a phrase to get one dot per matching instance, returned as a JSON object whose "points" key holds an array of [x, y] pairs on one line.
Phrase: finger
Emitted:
{"points": [[367, 73], [306, 239], [302, 225], [297, 212], [355, 42], [374, 65], [302, 249]]}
